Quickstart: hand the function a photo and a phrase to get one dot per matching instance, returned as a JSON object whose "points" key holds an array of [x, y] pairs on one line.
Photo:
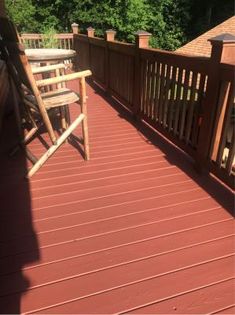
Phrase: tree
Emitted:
{"points": [[171, 22], [23, 14], [207, 14]]}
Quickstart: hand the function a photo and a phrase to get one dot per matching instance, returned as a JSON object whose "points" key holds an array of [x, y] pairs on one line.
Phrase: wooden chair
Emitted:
{"points": [[39, 107]]}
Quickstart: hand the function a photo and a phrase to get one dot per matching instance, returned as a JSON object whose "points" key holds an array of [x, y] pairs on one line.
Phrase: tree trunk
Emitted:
{"points": [[2, 8]]}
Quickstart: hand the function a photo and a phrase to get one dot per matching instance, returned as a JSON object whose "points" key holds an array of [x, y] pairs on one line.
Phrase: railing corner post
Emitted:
{"points": [[220, 53]]}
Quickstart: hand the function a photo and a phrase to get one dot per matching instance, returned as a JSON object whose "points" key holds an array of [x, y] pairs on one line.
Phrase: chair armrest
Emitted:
{"points": [[50, 68], [63, 78]]}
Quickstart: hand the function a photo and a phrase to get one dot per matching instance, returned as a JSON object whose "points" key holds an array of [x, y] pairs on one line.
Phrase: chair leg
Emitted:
{"points": [[63, 118], [85, 139], [54, 147], [82, 88], [67, 115]]}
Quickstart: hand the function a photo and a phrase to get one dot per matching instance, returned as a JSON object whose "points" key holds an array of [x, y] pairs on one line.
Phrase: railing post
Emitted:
{"points": [[90, 32], [142, 41], [110, 37], [74, 27], [221, 53]]}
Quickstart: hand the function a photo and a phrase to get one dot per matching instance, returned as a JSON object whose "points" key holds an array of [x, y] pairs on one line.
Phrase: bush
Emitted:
{"points": [[49, 39]]}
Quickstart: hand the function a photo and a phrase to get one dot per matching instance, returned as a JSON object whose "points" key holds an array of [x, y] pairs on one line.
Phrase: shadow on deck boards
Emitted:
{"points": [[175, 156], [15, 203]]}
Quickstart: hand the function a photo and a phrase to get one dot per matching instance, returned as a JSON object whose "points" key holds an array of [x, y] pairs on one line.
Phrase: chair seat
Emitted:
{"points": [[59, 97]]}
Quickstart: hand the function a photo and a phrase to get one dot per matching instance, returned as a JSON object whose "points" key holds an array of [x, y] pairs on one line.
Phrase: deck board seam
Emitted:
{"points": [[126, 245], [131, 227], [107, 185], [94, 236], [139, 281], [106, 177], [177, 295], [127, 202], [126, 263], [92, 165], [112, 195], [102, 157], [222, 309], [127, 214]]}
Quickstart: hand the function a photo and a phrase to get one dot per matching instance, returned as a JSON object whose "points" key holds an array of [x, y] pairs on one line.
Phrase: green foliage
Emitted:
{"points": [[23, 14], [49, 39], [171, 22], [207, 14]]}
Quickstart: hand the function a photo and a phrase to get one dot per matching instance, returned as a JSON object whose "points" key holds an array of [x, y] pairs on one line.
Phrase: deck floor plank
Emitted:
{"points": [[134, 230]]}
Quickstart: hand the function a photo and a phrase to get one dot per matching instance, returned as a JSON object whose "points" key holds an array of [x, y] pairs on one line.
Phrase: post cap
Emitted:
{"points": [[111, 31], [110, 35], [222, 38], [90, 28], [74, 25], [142, 33]]}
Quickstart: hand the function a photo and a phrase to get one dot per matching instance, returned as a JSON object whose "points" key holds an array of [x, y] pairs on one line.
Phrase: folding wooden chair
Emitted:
{"points": [[39, 107]]}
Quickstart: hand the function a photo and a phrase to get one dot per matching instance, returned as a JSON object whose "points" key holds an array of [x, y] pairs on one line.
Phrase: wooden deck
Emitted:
{"points": [[134, 230]]}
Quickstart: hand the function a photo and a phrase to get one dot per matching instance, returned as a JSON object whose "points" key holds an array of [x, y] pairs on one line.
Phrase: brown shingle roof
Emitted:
{"points": [[200, 45]]}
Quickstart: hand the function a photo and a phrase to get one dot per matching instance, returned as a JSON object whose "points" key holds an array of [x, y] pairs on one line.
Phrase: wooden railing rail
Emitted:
{"points": [[190, 100], [64, 41]]}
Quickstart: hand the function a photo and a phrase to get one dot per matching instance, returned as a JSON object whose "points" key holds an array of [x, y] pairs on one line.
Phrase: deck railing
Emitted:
{"points": [[64, 41], [222, 151], [189, 99]]}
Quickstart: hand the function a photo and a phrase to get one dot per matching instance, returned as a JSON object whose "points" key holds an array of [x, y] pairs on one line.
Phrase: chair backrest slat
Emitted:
{"points": [[14, 54]]}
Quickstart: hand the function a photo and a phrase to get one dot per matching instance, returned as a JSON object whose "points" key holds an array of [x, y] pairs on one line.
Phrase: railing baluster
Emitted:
{"points": [[185, 100], [191, 106], [177, 101]]}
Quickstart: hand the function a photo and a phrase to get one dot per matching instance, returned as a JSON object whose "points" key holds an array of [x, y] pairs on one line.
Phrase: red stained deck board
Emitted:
{"points": [[89, 247], [226, 310], [89, 181], [135, 226], [126, 231], [203, 301], [86, 265], [110, 176], [146, 290], [169, 189], [115, 191], [127, 274], [121, 218], [74, 161], [153, 212], [59, 170]]}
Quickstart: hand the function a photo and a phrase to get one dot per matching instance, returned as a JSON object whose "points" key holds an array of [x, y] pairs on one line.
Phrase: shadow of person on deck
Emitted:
{"points": [[173, 155], [18, 241]]}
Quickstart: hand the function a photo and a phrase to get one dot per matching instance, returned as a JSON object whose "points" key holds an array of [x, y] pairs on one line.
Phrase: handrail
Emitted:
{"points": [[189, 99], [31, 40], [181, 96]]}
